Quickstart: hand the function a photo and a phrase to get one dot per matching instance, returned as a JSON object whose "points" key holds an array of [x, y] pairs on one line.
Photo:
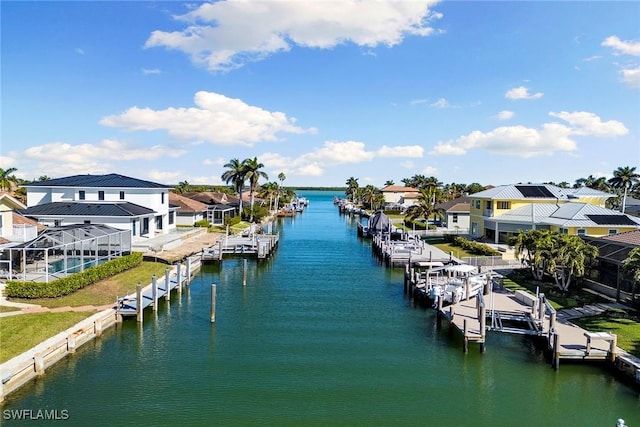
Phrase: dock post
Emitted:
{"points": [[38, 364], [97, 327], [213, 303], [179, 278], [483, 327], [139, 309], [244, 272], [467, 289], [167, 284], [612, 347], [465, 346], [555, 363], [71, 343], [188, 278], [541, 307], [220, 248], [439, 313], [154, 291]]}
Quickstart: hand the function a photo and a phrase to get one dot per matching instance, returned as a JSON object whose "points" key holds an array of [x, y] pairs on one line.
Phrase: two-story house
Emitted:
{"points": [[501, 212], [399, 195], [114, 200]]}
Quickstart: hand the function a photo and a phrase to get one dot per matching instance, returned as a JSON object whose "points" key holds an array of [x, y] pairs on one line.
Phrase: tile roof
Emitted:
{"points": [[112, 180], [19, 219], [398, 189], [85, 209], [460, 204], [185, 204], [630, 237]]}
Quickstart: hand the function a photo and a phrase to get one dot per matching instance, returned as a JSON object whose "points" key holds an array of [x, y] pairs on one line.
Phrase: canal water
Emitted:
{"points": [[321, 335]]}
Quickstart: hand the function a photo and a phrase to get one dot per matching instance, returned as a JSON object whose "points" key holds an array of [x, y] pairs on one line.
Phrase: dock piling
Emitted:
{"points": [[179, 278], [167, 284], [139, 307], [244, 272], [213, 303], [154, 292]]}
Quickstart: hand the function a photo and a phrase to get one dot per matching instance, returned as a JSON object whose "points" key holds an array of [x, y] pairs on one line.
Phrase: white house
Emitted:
{"points": [[457, 214], [397, 194], [114, 200]]}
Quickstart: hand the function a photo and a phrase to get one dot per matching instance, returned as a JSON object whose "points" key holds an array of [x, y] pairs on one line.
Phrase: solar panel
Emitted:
{"points": [[535, 191], [611, 219]]}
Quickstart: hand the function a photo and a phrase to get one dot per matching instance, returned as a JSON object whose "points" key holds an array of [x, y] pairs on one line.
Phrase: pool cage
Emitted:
{"points": [[61, 251]]}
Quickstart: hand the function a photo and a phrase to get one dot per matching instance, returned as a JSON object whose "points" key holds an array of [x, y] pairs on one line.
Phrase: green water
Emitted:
{"points": [[321, 335]]}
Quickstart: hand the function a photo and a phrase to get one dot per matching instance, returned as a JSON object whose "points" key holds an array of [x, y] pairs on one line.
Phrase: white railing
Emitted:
{"points": [[20, 233]]}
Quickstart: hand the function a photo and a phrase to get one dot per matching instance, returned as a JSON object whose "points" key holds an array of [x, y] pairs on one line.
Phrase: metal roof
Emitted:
{"points": [[538, 192], [85, 209], [112, 180]]}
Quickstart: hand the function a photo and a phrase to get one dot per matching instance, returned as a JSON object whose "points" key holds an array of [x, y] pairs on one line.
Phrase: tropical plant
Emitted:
{"points": [[388, 182], [236, 176], [252, 173], [569, 256], [531, 247], [352, 187], [281, 178], [423, 209], [269, 191], [631, 266], [624, 178], [7, 179]]}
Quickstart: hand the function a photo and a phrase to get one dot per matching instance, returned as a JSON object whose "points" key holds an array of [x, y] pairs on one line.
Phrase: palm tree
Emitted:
{"points": [[352, 187], [236, 176], [269, 190], [631, 266], [368, 195], [252, 173], [388, 182], [182, 187], [625, 178], [569, 257], [424, 207], [7, 179], [531, 247], [281, 178]]}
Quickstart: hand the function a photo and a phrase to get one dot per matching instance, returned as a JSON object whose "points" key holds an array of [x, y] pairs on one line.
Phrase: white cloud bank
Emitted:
{"points": [[334, 153], [216, 118], [522, 141], [225, 35]]}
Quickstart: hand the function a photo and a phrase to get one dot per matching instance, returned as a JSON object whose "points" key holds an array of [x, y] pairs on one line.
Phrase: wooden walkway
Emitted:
{"points": [[257, 245], [174, 279], [523, 313]]}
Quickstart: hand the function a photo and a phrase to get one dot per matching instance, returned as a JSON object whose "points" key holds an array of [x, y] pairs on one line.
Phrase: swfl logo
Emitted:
{"points": [[30, 414]]}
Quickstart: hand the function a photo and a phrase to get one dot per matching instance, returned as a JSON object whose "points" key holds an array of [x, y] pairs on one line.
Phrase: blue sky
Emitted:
{"points": [[488, 92]]}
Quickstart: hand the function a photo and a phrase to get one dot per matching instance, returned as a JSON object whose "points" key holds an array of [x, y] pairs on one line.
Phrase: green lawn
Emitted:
{"points": [[5, 308], [627, 330], [22, 332], [458, 252], [105, 291]]}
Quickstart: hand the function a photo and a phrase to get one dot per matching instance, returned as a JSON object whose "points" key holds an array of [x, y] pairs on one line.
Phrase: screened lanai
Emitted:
{"points": [[61, 251]]}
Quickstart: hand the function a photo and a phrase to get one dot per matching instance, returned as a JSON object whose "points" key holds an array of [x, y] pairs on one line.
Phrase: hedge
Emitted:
{"points": [[471, 246], [69, 284]]}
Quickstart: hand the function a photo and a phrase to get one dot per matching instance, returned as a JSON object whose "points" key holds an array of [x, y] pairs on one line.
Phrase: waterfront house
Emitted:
{"points": [[189, 210], [13, 226], [397, 194], [456, 214], [118, 201], [501, 212]]}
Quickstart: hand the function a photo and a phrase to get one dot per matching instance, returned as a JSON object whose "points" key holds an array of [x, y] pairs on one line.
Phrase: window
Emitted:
{"points": [[454, 218], [613, 231], [564, 231], [122, 195], [504, 205], [133, 227], [582, 232], [87, 222], [100, 195], [158, 223], [171, 214], [162, 200], [81, 195], [145, 226], [477, 204], [57, 222], [487, 205]]}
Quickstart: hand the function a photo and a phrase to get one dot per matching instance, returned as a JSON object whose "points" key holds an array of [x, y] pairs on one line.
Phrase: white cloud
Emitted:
{"points": [[418, 101], [216, 118], [505, 115], [522, 141], [224, 35], [333, 153], [622, 46], [631, 76], [440, 103], [147, 71], [168, 178], [79, 51], [429, 170], [7, 162], [408, 164], [522, 93], [592, 58], [585, 123]]}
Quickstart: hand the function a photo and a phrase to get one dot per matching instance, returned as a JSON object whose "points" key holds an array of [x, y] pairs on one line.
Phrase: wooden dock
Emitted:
{"points": [[524, 313], [174, 279], [260, 246]]}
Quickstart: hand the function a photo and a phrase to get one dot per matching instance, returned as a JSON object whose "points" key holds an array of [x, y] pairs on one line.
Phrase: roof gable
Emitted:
{"points": [[186, 204], [398, 189], [10, 201]]}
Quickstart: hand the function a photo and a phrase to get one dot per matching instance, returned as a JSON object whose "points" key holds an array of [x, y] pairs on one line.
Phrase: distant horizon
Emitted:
{"points": [[487, 92]]}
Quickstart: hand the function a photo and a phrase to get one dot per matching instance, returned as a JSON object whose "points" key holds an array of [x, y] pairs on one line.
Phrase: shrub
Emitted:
{"points": [[202, 223], [471, 246], [231, 221], [410, 223], [69, 284]]}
